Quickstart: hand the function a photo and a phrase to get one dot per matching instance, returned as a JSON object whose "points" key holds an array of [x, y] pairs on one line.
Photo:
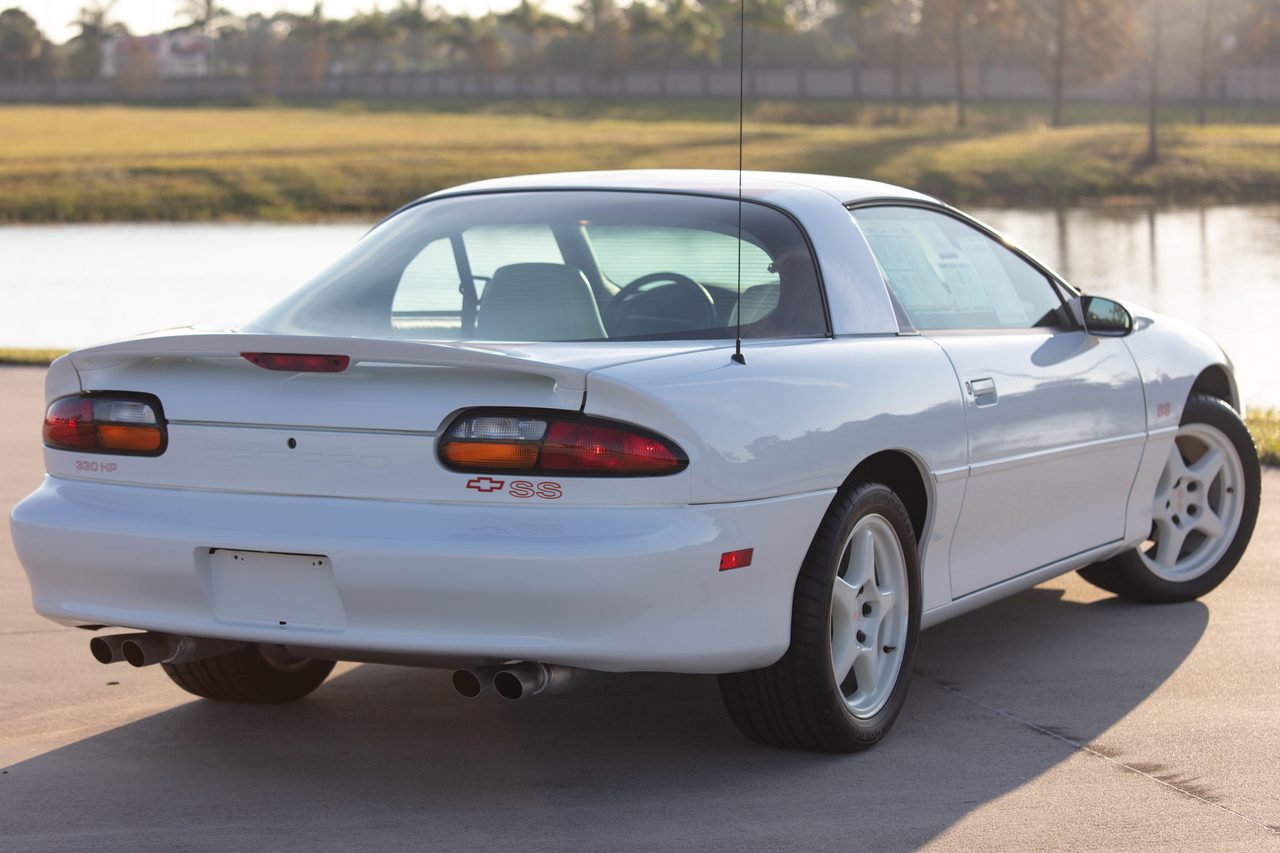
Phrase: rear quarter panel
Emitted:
{"points": [[799, 416]]}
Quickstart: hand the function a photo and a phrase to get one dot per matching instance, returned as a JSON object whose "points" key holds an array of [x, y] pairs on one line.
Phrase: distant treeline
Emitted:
{"points": [[1068, 43]]}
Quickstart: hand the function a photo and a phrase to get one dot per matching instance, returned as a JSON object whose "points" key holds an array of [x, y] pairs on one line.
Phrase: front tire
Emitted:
{"points": [[257, 674], [1205, 507], [854, 626]]}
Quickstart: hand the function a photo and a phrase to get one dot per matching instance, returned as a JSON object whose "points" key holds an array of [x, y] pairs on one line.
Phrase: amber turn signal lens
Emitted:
{"points": [[123, 423], [119, 437], [491, 454], [572, 445]]}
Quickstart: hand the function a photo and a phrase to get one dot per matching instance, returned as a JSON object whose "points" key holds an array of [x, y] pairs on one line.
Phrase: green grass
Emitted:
{"points": [[29, 356], [1264, 424], [120, 163]]}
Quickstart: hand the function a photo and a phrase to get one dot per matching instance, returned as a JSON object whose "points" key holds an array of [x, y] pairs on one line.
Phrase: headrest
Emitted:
{"points": [[538, 302]]}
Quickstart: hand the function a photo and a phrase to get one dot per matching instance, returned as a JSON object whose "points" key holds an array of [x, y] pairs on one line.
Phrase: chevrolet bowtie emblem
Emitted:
{"points": [[484, 484]]}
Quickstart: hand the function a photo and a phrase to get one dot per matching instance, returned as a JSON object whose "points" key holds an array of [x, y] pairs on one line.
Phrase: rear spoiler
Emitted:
{"points": [[570, 383]]}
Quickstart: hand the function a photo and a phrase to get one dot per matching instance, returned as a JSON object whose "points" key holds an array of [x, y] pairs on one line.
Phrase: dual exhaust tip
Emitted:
{"points": [[522, 679], [148, 648], [518, 680]]}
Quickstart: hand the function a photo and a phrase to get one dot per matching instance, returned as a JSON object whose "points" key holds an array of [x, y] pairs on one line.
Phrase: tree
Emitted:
{"points": [[605, 26], [1153, 153], [537, 27], [418, 27], [22, 45], [204, 17], [689, 26], [96, 27], [1082, 40], [477, 40]]}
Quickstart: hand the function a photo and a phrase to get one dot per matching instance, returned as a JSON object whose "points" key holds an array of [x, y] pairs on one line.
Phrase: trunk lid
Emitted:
{"points": [[367, 432]]}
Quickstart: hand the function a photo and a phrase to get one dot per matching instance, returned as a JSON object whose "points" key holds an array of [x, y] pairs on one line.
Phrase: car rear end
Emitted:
{"points": [[402, 498]]}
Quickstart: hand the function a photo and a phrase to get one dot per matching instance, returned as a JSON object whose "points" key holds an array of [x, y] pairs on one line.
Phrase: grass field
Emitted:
{"points": [[101, 163]]}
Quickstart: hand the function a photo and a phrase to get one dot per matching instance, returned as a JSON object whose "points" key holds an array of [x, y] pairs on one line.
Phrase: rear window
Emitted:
{"points": [[565, 266]]}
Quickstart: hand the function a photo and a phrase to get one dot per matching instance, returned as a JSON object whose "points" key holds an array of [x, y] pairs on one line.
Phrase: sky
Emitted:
{"points": [[148, 16]]}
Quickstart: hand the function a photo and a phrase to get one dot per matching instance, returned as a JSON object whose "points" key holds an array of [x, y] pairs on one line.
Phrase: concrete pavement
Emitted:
{"points": [[1060, 719]]}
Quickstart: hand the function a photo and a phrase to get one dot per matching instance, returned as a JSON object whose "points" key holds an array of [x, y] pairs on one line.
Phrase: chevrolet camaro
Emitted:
{"points": [[536, 430]]}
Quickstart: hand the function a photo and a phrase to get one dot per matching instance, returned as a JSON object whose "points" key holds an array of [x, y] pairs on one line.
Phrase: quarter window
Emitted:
{"points": [[949, 275]]}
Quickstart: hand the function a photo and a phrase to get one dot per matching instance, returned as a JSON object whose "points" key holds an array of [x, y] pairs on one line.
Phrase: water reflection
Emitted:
{"points": [[72, 285], [1217, 267]]}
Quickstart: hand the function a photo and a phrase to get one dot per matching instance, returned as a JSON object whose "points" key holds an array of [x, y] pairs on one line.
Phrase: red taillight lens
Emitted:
{"points": [[69, 423], [129, 425], [519, 443], [299, 363], [576, 446], [736, 559]]}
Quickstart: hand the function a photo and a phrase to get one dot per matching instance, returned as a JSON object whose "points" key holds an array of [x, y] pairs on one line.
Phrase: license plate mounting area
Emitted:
{"points": [[283, 590]]}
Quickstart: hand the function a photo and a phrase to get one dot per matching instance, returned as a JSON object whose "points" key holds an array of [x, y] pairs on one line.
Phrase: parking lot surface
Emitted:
{"points": [[1059, 719]]}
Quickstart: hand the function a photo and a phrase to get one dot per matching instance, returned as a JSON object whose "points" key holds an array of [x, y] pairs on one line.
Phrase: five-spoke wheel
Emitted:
{"points": [[1203, 512], [1197, 505], [869, 615], [855, 619]]}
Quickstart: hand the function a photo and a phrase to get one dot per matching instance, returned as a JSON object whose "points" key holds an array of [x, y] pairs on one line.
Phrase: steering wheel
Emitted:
{"points": [[701, 306]]}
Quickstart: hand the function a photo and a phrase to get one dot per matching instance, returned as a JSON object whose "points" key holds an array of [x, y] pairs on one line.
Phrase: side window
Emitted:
{"points": [[948, 275]]}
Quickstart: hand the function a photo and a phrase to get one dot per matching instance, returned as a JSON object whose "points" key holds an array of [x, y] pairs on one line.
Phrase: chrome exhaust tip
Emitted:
{"points": [[150, 648], [474, 682], [525, 679], [110, 648]]}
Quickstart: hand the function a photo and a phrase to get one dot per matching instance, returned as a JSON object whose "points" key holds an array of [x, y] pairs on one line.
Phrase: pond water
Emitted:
{"points": [[71, 285]]}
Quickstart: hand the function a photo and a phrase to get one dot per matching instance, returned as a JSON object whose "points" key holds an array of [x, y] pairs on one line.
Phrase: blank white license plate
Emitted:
{"points": [[281, 589]]}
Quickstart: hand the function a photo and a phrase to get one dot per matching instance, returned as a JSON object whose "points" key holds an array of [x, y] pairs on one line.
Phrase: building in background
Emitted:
{"points": [[164, 56]]}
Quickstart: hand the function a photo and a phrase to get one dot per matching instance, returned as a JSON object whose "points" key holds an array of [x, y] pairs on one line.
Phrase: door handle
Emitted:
{"points": [[983, 391]]}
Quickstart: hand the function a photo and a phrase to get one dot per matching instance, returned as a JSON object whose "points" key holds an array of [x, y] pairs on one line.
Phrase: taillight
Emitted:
{"points": [[106, 422], [582, 446], [299, 362]]}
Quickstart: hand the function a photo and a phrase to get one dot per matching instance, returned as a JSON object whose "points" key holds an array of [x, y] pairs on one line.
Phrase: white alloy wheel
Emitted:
{"points": [[869, 615], [1198, 505]]}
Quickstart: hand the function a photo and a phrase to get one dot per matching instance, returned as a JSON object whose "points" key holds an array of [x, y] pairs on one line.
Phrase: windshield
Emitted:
{"points": [[565, 266]]}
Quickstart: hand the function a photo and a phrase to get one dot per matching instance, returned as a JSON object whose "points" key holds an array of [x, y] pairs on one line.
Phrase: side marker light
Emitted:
{"points": [[736, 559]]}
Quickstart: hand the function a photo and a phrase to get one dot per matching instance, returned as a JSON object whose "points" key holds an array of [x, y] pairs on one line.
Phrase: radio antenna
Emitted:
{"points": [[742, 61]]}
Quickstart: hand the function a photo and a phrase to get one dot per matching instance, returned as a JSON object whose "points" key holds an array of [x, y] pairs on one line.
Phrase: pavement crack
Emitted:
{"points": [[1132, 768]]}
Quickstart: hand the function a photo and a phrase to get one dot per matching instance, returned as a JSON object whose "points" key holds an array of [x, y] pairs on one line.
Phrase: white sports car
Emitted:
{"points": [[512, 433]]}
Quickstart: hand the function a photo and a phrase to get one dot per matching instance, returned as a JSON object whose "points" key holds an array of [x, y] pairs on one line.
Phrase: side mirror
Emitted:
{"points": [[1104, 318]]}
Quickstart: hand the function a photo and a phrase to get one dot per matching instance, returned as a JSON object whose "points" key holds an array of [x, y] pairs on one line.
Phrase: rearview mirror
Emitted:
{"points": [[1105, 318]]}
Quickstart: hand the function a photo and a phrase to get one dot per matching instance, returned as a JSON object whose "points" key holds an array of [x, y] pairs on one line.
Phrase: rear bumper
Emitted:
{"points": [[610, 588]]}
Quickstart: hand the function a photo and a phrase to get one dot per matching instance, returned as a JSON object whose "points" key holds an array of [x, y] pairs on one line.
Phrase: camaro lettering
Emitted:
{"points": [[283, 459]]}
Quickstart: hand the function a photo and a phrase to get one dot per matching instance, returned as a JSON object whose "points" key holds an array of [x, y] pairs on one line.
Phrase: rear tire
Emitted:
{"points": [[257, 674], [1205, 508], [854, 625]]}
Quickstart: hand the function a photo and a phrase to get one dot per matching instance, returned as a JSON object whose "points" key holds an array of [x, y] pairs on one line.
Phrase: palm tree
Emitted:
{"points": [[538, 27], [477, 40], [96, 27]]}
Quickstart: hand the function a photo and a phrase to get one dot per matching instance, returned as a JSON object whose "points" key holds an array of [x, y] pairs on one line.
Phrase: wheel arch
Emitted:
{"points": [[1217, 381], [901, 472]]}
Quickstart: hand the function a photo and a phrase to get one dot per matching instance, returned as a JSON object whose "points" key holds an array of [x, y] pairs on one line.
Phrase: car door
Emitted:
{"points": [[1055, 416]]}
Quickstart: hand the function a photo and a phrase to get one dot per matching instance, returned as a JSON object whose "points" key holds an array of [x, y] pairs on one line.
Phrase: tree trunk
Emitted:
{"points": [[1205, 36], [957, 37], [897, 77], [1059, 64], [1153, 151]]}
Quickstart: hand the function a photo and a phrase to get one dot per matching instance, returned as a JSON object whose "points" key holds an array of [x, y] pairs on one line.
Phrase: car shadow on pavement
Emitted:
{"points": [[384, 758]]}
